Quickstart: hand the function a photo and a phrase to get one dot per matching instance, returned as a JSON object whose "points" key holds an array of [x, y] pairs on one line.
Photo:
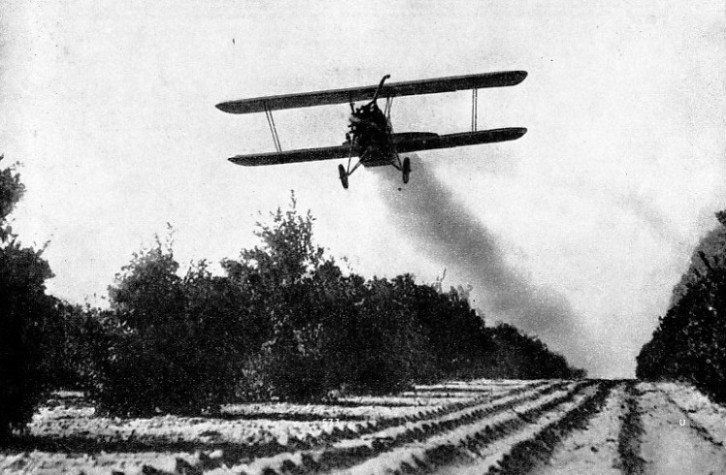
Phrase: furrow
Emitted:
{"points": [[696, 426], [631, 431], [527, 455], [371, 435], [451, 452], [481, 422]]}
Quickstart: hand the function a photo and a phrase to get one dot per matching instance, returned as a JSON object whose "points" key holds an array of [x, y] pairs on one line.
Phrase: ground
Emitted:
{"points": [[478, 427]]}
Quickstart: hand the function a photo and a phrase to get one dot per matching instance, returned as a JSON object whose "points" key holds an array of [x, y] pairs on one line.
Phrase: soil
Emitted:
{"points": [[482, 426]]}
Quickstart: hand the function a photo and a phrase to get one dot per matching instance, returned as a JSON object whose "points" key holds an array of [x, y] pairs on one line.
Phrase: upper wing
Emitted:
{"points": [[292, 156], [417, 142], [354, 94]]}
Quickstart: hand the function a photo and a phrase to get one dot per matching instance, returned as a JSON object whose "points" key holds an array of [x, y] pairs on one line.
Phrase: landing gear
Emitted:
{"points": [[343, 176], [406, 169]]}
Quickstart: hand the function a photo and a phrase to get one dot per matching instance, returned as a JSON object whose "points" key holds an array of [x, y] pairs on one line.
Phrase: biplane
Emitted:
{"points": [[370, 137]]}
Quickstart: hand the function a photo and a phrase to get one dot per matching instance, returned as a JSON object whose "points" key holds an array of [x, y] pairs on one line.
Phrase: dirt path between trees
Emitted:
{"points": [[672, 442]]}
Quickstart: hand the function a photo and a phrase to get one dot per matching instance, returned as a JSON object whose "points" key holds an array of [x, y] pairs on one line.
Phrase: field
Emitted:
{"points": [[475, 427]]}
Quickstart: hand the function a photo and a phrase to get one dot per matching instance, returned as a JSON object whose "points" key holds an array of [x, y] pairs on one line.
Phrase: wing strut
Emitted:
{"points": [[273, 129], [473, 109], [387, 109]]}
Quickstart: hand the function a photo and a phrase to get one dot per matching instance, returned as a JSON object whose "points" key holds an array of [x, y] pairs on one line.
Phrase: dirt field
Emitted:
{"points": [[477, 427]]}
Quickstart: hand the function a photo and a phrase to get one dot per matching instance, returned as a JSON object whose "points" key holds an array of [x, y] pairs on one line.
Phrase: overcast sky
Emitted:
{"points": [[109, 108]]}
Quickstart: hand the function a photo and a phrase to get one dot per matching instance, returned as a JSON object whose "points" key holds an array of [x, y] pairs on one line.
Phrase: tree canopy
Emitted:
{"points": [[690, 340], [283, 321], [24, 310]]}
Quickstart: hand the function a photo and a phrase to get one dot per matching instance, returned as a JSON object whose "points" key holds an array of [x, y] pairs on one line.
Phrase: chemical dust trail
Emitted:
{"points": [[444, 230]]}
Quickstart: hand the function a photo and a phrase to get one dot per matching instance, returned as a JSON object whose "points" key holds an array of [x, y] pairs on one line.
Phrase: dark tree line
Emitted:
{"points": [[689, 343], [282, 322], [24, 309]]}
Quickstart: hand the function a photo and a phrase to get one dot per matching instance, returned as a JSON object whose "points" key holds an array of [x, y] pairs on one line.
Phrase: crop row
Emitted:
{"points": [[383, 429], [63, 429], [366, 437], [481, 421], [524, 456], [447, 452], [426, 436], [275, 454]]}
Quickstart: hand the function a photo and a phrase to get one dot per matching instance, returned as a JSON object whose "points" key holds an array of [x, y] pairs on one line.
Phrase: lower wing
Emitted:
{"points": [[292, 156], [404, 143], [418, 142]]}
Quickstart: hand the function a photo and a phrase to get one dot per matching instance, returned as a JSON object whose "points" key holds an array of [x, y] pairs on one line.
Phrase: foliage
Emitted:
{"points": [[11, 191], [24, 307], [148, 291], [321, 330], [519, 356], [68, 335], [387, 349], [690, 341], [283, 322], [173, 343], [278, 278]]}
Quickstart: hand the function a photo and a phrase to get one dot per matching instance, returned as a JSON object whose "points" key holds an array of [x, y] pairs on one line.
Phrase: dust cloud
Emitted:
{"points": [[446, 231]]}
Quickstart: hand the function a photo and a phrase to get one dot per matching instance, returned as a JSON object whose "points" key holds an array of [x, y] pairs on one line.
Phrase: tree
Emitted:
{"points": [[148, 290], [391, 347], [11, 191], [175, 343], [24, 307], [320, 330], [294, 294], [690, 341], [284, 321]]}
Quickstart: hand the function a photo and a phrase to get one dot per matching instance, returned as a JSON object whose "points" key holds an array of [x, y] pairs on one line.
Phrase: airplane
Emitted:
{"points": [[370, 136]]}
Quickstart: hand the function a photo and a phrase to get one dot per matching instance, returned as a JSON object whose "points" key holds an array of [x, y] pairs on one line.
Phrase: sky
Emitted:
{"points": [[576, 232]]}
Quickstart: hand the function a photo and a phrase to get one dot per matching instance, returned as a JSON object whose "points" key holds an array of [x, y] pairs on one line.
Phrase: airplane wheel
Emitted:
{"points": [[406, 169], [343, 176]]}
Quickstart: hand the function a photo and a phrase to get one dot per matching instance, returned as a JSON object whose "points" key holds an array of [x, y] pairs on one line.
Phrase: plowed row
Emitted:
{"points": [[478, 427]]}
